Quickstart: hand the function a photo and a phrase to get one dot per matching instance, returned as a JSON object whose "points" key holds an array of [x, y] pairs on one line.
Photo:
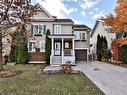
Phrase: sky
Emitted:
{"points": [[80, 11]]}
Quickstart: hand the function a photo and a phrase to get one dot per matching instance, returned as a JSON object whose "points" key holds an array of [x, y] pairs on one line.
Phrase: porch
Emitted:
{"points": [[62, 50]]}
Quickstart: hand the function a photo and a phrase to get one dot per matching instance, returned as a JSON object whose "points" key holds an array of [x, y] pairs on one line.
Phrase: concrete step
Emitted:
{"points": [[55, 65], [54, 69]]}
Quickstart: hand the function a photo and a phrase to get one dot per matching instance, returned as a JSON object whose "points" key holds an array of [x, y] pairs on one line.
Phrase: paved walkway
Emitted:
{"points": [[112, 80]]}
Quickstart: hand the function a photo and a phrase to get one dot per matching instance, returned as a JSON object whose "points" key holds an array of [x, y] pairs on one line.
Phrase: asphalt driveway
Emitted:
{"points": [[111, 79]]}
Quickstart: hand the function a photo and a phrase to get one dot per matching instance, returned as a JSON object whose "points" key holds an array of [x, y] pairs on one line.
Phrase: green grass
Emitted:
{"points": [[29, 82]]}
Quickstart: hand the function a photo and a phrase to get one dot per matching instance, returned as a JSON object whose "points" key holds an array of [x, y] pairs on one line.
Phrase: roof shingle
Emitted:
{"points": [[84, 27], [63, 20]]}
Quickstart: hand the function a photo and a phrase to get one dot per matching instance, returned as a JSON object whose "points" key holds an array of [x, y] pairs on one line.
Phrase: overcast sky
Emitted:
{"points": [[80, 11]]}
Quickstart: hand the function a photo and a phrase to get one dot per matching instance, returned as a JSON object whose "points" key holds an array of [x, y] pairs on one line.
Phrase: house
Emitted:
{"points": [[70, 42], [101, 29]]}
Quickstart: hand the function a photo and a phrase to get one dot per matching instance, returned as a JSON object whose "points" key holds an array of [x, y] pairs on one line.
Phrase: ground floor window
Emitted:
{"points": [[31, 46], [42, 46]]}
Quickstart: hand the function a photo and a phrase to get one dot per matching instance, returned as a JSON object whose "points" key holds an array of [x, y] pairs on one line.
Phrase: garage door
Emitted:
{"points": [[81, 55]]}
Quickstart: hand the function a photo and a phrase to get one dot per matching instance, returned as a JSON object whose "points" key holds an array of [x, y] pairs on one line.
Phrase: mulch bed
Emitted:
{"points": [[9, 73]]}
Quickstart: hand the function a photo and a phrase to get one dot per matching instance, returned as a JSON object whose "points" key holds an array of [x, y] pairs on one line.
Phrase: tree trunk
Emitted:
{"points": [[1, 59]]}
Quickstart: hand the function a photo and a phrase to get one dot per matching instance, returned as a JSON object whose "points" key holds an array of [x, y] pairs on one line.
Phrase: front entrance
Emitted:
{"points": [[57, 49]]}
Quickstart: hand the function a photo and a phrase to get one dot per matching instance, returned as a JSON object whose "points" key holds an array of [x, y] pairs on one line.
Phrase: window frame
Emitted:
{"points": [[37, 31], [80, 35], [56, 29], [76, 33], [33, 49], [42, 50]]}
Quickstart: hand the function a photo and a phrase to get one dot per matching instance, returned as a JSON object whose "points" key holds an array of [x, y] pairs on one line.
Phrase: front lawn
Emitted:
{"points": [[31, 82]]}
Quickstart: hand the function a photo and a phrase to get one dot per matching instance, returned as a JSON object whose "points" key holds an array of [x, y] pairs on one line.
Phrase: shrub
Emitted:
{"points": [[124, 53], [99, 47], [66, 69], [48, 47], [21, 46], [12, 56]]}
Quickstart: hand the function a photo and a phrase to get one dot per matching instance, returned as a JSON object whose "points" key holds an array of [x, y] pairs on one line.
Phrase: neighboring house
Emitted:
{"points": [[69, 42], [6, 45], [101, 29]]}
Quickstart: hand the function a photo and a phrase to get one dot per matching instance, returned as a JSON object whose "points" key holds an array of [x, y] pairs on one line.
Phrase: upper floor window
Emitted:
{"points": [[77, 35], [57, 29], [39, 29], [83, 36], [80, 36]]}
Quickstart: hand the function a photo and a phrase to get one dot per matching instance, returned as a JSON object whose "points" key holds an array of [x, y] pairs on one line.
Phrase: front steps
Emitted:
{"points": [[56, 69], [56, 61]]}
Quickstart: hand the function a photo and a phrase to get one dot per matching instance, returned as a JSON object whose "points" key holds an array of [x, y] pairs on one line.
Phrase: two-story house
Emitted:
{"points": [[69, 42], [101, 29]]}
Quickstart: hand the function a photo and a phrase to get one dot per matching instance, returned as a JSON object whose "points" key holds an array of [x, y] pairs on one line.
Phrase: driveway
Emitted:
{"points": [[111, 79]]}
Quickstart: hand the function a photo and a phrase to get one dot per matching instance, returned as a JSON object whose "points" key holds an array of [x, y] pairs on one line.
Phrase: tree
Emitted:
{"points": [[12, 13], [48, 47], [98, 48], [21, 46], [118, 22], [124, 53], [104, 47], [12, 56]]}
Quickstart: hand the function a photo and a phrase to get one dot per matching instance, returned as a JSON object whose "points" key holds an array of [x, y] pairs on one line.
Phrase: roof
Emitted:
{"points": [[81, 27], [40, 8], [63, 20], [62, 35], [94, 28]]}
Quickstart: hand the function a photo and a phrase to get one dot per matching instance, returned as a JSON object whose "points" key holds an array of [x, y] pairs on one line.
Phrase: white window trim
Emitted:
{"points": [[55, 31], [35, 33], [75, 33], [80, 34], [33, 50], [40, 46]]}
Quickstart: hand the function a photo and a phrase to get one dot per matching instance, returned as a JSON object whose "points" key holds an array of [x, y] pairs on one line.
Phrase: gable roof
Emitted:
{"points": [[63, 20], [40, 8], [81, 27], [95, 26]]}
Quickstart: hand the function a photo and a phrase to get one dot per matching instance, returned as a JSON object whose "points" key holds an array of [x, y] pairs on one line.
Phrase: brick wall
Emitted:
{"points": [[116, 51], [36, 56]]}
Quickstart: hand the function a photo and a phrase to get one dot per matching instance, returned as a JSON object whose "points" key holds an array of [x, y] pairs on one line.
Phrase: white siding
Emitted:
{"points": [[100, 29]]}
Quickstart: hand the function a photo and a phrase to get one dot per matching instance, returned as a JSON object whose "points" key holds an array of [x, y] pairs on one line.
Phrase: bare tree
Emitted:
{"points": [[12, 13]]}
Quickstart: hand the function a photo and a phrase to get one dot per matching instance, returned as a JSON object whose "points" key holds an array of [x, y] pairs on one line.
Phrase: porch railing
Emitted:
{"points": [[68, 52]]}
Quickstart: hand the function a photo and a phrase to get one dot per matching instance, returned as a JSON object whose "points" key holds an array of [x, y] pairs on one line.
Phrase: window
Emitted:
{"points": [[31, 46], [66, 45], [57, 29], [79, 36], [42, 46], [39, 29], [83, 36]]}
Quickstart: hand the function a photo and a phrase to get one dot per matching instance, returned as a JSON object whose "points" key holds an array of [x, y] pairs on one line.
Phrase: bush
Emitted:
{"points": [[66, 69], [124, 53], [48, 47], [12, 56], [21, 46]]}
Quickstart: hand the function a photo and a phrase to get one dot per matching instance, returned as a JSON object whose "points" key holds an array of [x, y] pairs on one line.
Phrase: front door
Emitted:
{"points": [[57, 48]]}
